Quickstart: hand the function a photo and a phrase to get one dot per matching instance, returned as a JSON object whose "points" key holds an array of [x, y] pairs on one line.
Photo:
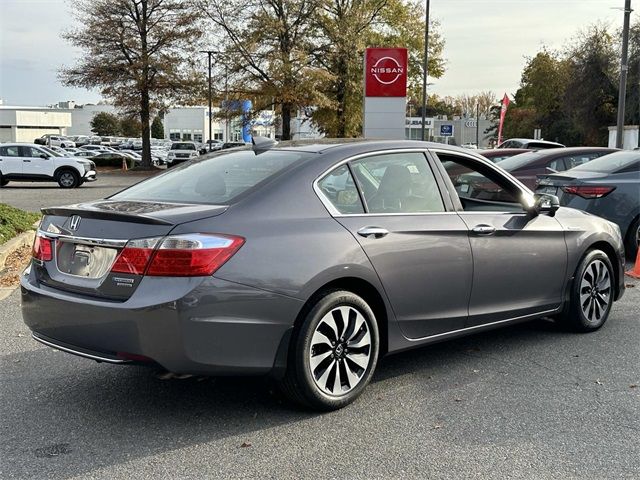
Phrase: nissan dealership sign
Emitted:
{"points": [[386, 72], [385, 92]]}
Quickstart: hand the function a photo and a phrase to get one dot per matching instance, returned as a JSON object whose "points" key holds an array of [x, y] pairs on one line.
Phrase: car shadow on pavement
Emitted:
{"points": [[67, 416]]}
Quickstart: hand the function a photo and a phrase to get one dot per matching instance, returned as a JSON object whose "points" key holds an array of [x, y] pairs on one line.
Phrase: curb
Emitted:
{"points": [[6, 249]]}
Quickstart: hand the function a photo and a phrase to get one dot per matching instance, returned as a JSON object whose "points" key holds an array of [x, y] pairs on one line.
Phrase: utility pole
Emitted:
{"points": [[624, 67], [425, 67], [209, 53]]}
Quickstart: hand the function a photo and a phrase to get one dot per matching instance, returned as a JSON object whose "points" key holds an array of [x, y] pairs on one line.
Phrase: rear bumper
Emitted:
{"points": [[199, 325]]}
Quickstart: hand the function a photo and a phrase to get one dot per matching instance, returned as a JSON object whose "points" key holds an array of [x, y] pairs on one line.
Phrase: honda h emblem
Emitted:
{"points": [[74, 222]]}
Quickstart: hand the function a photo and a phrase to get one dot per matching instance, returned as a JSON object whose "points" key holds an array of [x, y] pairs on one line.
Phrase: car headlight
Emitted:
{"points": [[171, 155], [194, 154]]}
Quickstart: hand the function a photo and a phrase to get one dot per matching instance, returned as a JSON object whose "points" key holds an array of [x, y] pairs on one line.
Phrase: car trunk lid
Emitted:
{"points": [[86, 239]]}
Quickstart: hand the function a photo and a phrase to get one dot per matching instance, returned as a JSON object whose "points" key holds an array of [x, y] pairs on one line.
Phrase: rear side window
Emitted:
{"points": [[9, 151], [216, 180], [612, 162], [398, 183], [340, 189]]}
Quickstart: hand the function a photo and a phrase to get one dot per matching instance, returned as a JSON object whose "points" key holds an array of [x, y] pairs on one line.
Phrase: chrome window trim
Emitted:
{"points": [[333, 211]]}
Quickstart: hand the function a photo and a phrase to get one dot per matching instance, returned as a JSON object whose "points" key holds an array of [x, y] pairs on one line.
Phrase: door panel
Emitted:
{"points": [[519, 269], [425, 266], [33, 164]]}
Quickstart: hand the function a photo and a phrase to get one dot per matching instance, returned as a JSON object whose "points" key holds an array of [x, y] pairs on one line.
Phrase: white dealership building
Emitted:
{"points": [[24, 124]]}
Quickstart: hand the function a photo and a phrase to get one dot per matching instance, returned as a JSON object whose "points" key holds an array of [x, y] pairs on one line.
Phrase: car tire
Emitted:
{"points": [[3, 182], [633, 239], [591, 295], [334, 347], [68, 179]]}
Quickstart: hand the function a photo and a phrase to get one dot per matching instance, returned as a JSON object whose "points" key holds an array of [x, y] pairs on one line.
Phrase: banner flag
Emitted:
{"points": [[503, 112]]}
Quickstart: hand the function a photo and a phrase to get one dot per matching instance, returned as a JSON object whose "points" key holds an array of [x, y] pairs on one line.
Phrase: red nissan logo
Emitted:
{"points": [[387, 70]]}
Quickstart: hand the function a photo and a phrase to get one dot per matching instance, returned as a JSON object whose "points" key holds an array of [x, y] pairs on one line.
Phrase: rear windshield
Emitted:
{"points": [[183, 146], [518, 161], [216, 180], [611, 162]]}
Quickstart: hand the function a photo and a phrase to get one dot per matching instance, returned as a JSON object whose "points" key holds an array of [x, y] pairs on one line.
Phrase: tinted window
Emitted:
{"points": [[217, 180], [339, 187], [611, 162], [9, 151], [32, 152], [573, 161], [480, 188], [398, 183], [519, 161]]}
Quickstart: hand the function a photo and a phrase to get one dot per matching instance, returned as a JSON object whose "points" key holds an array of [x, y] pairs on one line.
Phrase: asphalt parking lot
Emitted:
{"points": [[32, 196], [523, 402]]}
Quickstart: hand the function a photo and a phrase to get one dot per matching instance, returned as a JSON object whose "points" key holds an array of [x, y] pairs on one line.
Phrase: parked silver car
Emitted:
{"points": [[310, 262]]}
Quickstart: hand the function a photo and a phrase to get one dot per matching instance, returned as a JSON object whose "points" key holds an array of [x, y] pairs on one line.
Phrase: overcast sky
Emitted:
{"points": [[486, 43]]}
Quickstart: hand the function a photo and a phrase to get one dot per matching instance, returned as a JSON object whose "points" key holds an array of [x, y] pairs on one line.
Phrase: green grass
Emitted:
{"points": [[14, 221]]}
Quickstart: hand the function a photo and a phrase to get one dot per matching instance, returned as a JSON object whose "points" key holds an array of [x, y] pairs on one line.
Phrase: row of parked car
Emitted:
{"points": [[597, 180]]}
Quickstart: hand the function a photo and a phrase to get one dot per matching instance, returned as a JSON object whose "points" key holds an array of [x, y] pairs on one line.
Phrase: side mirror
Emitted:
{"points": [[545, 203], [44, 156]]}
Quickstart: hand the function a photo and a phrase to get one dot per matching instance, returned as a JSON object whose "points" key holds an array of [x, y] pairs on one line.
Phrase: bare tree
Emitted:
{"points": [[134, 52]]}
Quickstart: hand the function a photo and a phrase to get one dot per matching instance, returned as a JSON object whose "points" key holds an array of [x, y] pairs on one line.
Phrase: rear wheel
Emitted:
{"points": [[333, 353], [68, 179], [633, 239], [3, 182], [591, 294]]}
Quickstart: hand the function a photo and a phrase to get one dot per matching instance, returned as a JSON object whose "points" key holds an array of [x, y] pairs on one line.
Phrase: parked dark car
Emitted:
{"points": [[497, 155], [309, 263], [527, 166], [608, 187], [529, 144]]}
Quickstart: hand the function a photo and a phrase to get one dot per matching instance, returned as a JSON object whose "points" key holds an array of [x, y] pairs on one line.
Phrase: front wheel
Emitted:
{"points": [[68, 179], [591, 295], [333, 353]]}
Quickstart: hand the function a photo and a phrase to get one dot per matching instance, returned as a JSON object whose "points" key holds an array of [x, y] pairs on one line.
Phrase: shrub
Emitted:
{"points": [[14, 221]]}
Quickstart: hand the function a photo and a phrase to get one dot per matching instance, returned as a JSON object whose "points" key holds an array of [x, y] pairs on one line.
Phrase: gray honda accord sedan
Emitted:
{"points": [[309, 262]]}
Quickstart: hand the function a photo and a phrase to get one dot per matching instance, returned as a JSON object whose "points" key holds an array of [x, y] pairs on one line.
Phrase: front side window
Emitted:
{"points": [[340, 189], [398, 183], [479, 187]]}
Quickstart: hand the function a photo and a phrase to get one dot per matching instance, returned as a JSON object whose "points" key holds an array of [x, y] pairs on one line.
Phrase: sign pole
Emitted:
{"points": [[425, 69]]}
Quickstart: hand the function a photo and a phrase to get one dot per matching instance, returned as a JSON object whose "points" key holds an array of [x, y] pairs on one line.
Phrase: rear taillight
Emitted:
{"points": [[42, 249], [191, 255], [589, 192]]}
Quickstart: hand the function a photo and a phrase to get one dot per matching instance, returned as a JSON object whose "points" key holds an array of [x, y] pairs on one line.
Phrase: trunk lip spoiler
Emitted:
{"points": [[105, 215]]}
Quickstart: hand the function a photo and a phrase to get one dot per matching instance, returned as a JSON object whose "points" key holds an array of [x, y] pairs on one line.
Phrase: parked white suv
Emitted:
{"points": [[55, 141], [37, 163], [182, 152]]}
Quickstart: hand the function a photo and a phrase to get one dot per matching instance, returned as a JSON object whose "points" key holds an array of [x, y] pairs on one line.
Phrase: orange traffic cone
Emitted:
{"points": [[124, 165], [635, 271]]}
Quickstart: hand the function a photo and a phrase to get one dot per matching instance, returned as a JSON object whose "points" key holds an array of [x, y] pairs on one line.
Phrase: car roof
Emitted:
{"points": [[365, 145]]}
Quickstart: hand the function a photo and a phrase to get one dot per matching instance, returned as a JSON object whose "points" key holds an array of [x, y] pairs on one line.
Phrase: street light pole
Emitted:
{"points": [[209, 53], [425, 66], [624, 67], [477, 125]]}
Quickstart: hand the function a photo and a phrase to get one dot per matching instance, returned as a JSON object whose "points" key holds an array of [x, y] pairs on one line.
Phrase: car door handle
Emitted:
{"points": [[484, 229], [376, 232], [26, 161]]}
